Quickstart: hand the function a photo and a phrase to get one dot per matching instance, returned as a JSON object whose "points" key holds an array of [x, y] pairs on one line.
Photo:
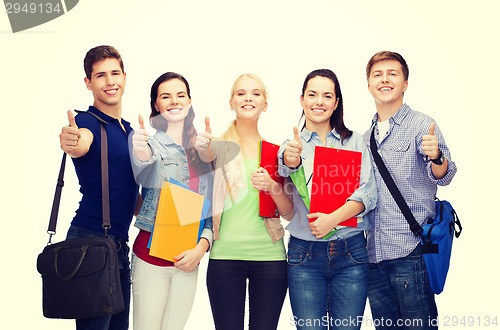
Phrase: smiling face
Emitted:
{"points": [[248, 99], [173, 101], [319, 102], [387, 84], [107, 83]]}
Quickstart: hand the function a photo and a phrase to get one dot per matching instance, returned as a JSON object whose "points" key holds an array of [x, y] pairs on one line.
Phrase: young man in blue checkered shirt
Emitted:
{"points": [[415, 153]]}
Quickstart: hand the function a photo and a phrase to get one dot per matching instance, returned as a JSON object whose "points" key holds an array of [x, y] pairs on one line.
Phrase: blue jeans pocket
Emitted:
{"points": [[297, 254], [358, 255]]}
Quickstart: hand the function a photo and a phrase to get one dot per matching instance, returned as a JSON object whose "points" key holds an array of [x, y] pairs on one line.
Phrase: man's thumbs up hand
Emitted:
{"points": [[71, 119], [70, 136], [430, 143]]}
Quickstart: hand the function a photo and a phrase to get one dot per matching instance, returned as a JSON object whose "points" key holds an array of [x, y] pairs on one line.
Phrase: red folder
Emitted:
{"points": [[336, 174], [269, 161]]}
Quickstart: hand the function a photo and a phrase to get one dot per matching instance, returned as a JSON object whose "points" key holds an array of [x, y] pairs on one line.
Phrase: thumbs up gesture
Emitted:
{"points": [[293, 150], [70, 135], [203, 139], [140, 146], [430, 143]]}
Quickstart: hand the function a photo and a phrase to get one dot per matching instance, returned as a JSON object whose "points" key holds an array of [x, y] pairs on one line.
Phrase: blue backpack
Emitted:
{"points": [[437, 240]]}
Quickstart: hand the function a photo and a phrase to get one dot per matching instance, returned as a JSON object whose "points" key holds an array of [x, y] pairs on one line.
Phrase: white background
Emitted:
{"points": [[451, 48]]}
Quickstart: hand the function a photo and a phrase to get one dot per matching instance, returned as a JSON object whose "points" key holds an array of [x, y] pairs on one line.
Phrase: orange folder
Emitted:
{"points": [[177, 224], [336, 175], [269, 161]]}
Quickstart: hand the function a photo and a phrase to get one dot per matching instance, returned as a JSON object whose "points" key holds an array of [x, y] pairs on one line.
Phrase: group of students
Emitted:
{"points": [[328, 280]]}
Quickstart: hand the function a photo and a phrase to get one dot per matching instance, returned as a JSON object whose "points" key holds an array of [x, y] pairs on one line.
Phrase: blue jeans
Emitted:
{"points": [[400, 295], [328, 282], [118, 321], [227, 286]]}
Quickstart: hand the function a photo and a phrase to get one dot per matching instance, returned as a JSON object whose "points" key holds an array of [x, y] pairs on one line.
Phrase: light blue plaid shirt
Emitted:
{"points": [[390, 236]]}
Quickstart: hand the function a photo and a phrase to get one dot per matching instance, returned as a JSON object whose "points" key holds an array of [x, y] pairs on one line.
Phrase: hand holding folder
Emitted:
{"points": [[269, 161], [336, 175], [179, 220]]}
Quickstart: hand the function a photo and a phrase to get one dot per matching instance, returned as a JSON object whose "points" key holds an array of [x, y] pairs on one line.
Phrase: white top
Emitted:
{"points": [[383, 128]]}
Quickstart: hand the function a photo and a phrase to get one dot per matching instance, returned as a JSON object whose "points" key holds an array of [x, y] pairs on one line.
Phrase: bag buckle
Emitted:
{"points": [[106, 230], [51, 233]]}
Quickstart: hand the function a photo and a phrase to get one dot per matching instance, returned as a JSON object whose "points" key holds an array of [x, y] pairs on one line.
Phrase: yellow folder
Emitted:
{"points": [[177, 221]]}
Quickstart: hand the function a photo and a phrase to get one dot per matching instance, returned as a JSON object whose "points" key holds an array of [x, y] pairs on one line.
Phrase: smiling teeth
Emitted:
{"points": [[385, 89]]}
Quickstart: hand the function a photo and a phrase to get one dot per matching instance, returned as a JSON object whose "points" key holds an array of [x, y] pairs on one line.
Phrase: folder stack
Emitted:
{"points": [[179, 220]]}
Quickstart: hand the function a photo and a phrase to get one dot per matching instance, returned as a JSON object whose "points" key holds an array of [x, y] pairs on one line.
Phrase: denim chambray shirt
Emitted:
{"points": [[365, 193], [168, 160]]}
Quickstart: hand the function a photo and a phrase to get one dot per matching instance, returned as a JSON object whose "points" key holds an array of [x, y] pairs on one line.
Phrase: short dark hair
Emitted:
{"points": [[386, 55], [97, 54]]}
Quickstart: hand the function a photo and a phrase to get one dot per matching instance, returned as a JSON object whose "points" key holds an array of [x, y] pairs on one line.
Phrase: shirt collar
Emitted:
{"points": [[105, 118], [307, 135], [164, 137], [398, 117]]}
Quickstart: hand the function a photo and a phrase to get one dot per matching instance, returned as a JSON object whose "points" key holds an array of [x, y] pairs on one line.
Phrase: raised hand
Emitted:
{"points": [[430, 143], [293, 150], [70, 135], [203, 139], [140, 142]]}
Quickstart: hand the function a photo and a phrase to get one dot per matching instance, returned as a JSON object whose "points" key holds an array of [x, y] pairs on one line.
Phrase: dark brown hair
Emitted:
{"points": [[337, 118], [189, 132], [98, 54]]}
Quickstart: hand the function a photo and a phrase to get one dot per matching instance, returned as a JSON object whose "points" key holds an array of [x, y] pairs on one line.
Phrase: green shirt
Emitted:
{"points": [[243, 234]]}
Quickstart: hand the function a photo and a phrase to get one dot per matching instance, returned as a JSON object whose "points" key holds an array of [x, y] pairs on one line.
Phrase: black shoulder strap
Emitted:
{"points": [[396, 194], [106, 220], [57, 199]]}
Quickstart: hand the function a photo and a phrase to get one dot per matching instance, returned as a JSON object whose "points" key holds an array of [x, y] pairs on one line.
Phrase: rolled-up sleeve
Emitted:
{"points": [[143, 171], [367, 190], [208, 234]]}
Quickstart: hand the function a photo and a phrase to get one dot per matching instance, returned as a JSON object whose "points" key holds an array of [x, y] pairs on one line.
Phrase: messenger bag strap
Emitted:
{"points": [[391, 185], [106, 219], [51, 230]]}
